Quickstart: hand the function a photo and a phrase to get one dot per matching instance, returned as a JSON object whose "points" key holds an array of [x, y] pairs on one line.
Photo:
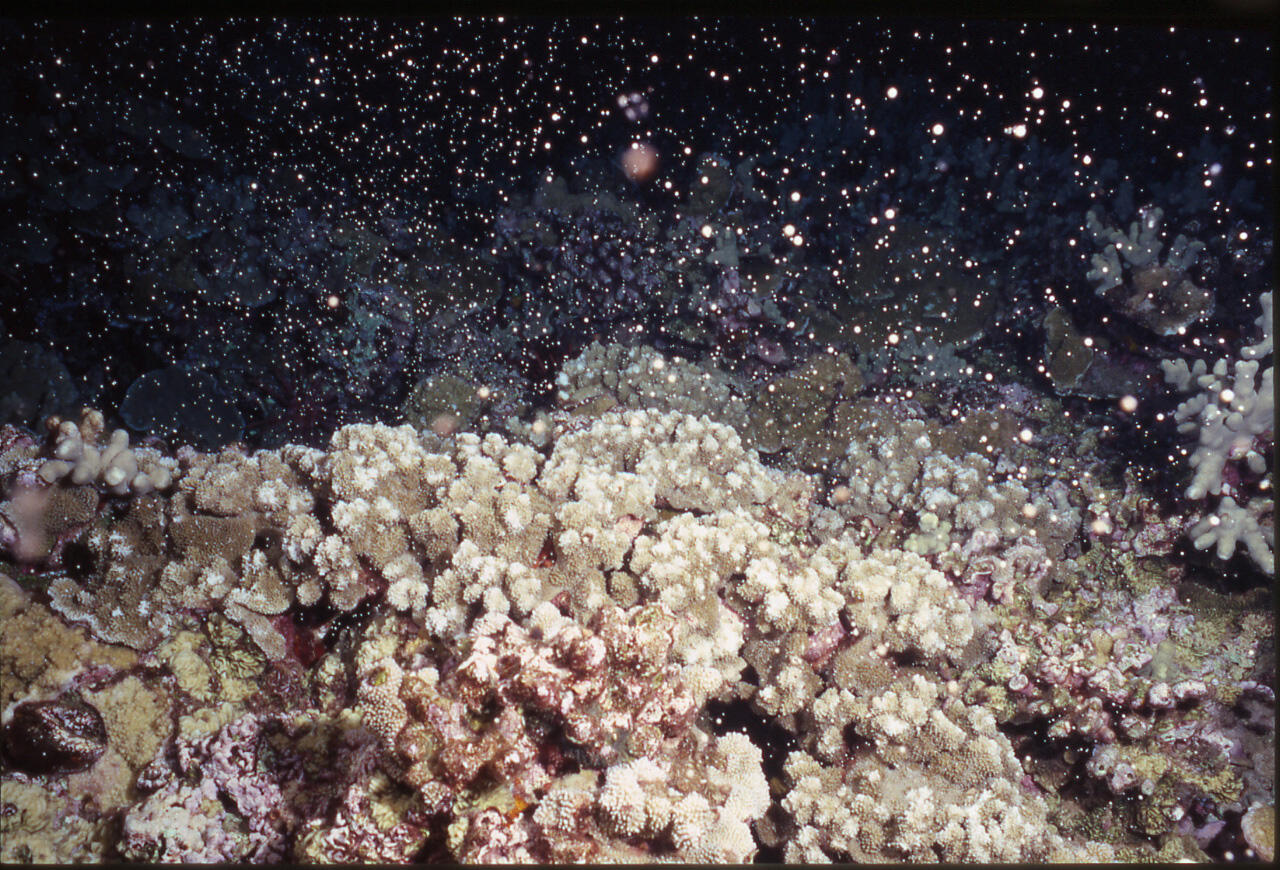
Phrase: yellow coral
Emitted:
{"points": [[136, 716], [38, 651]]}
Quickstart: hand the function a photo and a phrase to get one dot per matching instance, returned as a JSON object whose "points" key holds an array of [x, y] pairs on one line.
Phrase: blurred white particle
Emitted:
{"points": [[447, 424], [634, 105], [640, 162], [1128, 404]]}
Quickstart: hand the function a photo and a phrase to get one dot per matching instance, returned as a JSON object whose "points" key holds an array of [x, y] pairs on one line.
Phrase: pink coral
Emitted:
{"points": [[359, 828], [188, 820], [607, 688]]}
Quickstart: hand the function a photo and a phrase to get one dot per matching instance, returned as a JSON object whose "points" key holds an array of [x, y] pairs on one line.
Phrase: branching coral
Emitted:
{"points": [[1232, 413], [1158, 296]]}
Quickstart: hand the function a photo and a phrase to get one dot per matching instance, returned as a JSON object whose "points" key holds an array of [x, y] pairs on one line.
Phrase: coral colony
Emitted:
{"points": [[509, 440]]}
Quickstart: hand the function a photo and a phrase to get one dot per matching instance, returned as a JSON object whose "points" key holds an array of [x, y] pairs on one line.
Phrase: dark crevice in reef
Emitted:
{"points": [[77, 559], [775, 742]]}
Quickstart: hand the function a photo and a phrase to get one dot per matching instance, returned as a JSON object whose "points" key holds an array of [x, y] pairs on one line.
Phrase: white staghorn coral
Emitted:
{"points": [[1231, 412]]}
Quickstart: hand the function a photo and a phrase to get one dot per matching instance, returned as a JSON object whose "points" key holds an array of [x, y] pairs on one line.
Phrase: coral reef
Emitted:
{"points": [[558, 623], [940, 629], [854, 483], [1091, 365], [1144, 678]]}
